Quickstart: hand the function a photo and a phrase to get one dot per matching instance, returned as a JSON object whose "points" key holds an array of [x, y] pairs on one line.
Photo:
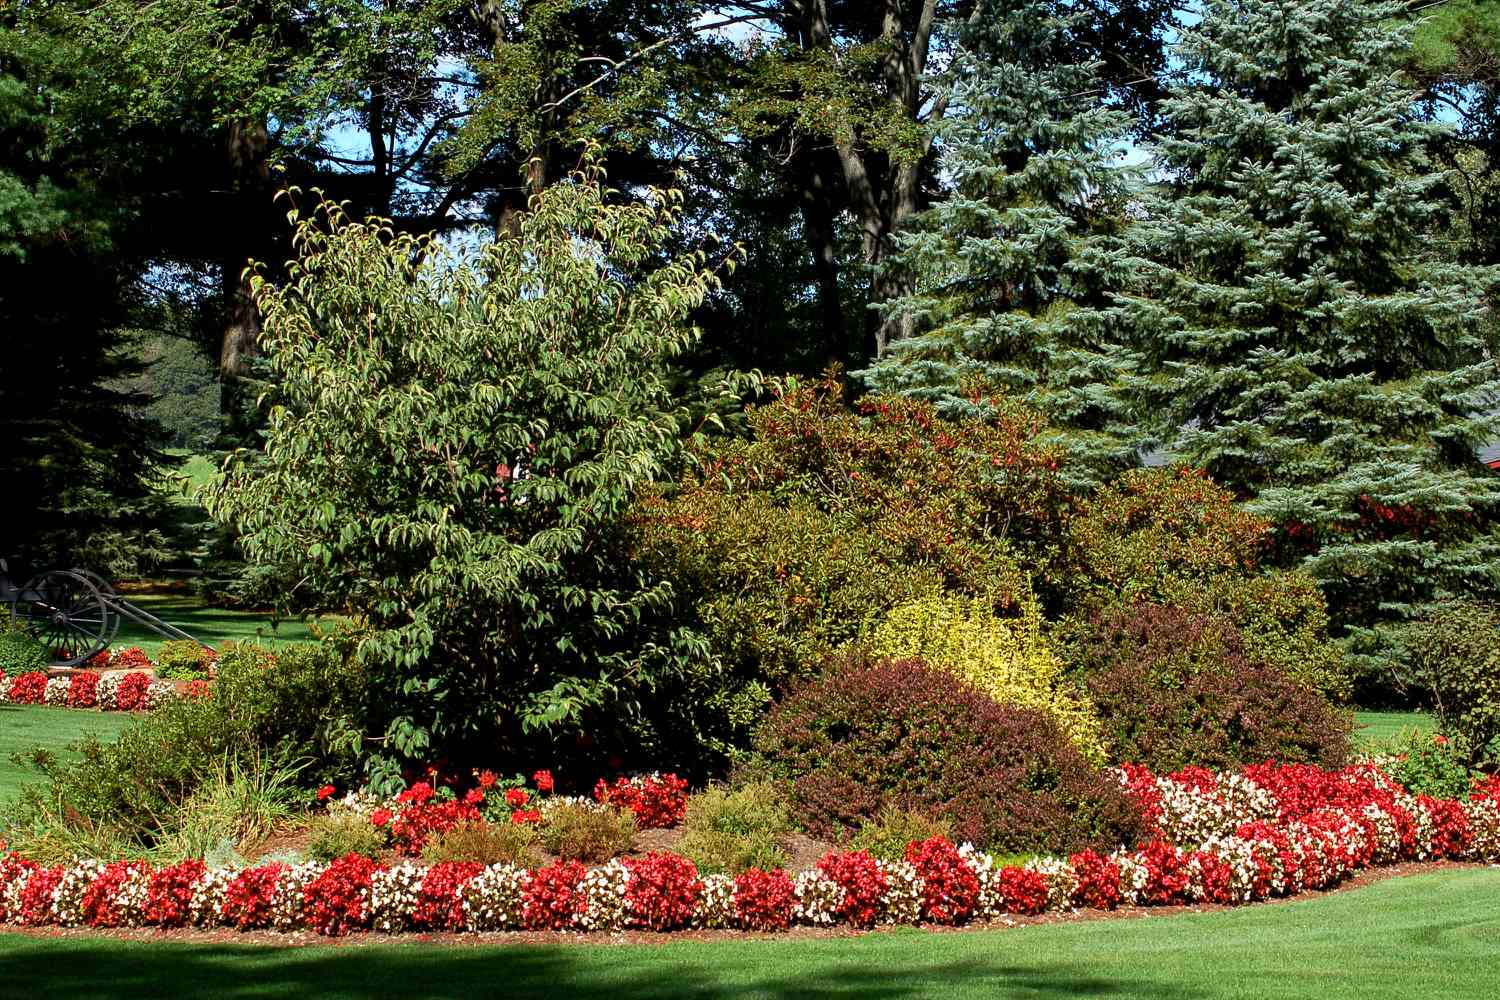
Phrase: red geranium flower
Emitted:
{"points": [[543, 781], [380, 817], [517, 797], [325, 793], [487, 779]]}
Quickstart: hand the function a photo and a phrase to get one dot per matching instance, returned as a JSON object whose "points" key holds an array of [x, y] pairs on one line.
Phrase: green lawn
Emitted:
{"points": [[204, 623], [25, 726], [1430, 936], [1380, 728]]}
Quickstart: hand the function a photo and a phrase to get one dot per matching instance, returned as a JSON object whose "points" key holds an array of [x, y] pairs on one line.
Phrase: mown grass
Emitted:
{"points": [[1426, 937], [1379, 729], [23, 727], [204, 623]]}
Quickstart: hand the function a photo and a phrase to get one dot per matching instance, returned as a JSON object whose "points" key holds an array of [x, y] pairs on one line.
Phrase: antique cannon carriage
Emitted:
{"points": [[74, 612]]}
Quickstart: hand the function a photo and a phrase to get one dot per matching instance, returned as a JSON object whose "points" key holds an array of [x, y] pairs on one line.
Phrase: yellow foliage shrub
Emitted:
{"points": [[1009, 659]]}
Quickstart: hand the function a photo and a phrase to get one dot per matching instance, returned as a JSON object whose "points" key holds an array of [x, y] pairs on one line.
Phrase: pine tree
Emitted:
{"points": [[1303, 341], [1010, 269]]}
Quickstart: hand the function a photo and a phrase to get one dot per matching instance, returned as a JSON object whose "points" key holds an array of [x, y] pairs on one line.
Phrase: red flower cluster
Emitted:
{"points": [[552, 897], [98, 907], [1022, 890], [863, 882], [248, 898], [439, 903], [36, 896], [1166, 873], [422, 814], [663, 891], [338, 900], [29, 688], [196, 690], [170, 892], [1098, 880], [99, 660], [658, 801], [950, 889], [544, 782], [764, 900], [133, 690], [134, 658], [83, 690]]}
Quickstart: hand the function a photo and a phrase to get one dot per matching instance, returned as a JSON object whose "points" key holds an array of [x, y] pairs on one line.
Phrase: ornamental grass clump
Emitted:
{"points": [[735, 829], [871, 734]]}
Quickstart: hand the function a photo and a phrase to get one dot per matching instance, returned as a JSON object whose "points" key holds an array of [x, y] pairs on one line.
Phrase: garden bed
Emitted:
{"points": [[1218, 840]]}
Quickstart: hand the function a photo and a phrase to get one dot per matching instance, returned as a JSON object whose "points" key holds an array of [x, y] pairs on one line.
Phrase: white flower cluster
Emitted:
{"points": [[716, 903], [604, 898], [816, 898], [206, 908], [902, 902], [991, 904], [1062, 881], [286, 903], [1191, 817], [493, 900], [394, 894], [67, 895], [57, 690]]}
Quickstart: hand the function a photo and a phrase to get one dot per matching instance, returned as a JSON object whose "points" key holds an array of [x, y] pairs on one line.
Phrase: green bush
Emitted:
{"points": [[1174, 688], [732, 830], [1452, 663], [183, 660], [887, 835], [783, 548], [586, 832], [1431, 764], [487, 843], [1172, 537], [1009, 659], [459, 487], [334, 835], [870, 735], [21, 653], [305, 706]]}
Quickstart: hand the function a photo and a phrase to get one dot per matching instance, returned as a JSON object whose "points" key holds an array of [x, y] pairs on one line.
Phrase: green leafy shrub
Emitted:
{"points": [[887, 835], [733, 830], [1431, 764], [869, 735], [183, 660], [459, 488], [334, 835], [1011, 659], [306, 705], [781, 548], [587, 832], [1173, 537], [1173, 688], [1452, 662], [487, 843], [21, 653]]}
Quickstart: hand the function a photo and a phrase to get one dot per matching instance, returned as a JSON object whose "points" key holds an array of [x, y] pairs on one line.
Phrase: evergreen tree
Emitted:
{"points": [[1304, 344], [1010, 271]]}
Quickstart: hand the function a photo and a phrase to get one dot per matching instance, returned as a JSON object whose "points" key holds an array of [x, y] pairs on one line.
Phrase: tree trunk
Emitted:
{"points": [[817, 199], [247, 151]]}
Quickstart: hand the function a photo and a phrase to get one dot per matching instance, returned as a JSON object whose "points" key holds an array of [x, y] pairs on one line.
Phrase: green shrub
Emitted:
{"points": [[869, 735], [183, 660], [1173, 537], [20, 652], [1173, 688], [487, 843], [1453, 663], [306, 705], [1009, 659], [732, 830], [586, 832], [887, 835], [782, 548], [334, 835], [1431, 764], [459, 488]]}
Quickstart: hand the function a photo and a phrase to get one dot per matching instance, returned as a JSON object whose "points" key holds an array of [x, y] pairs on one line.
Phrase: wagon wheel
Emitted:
{"points": [[111, 612], [67, 613]]}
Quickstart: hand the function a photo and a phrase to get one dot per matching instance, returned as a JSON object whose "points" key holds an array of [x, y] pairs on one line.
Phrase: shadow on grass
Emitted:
{"points": [[113, 970]]}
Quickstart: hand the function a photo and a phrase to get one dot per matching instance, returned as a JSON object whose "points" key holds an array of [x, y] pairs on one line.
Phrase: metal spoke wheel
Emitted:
{"points": [[68, 613]]}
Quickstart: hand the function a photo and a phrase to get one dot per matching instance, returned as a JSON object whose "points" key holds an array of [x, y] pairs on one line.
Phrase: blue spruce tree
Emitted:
{"points": [[1302, 339], [1010, 269]]}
